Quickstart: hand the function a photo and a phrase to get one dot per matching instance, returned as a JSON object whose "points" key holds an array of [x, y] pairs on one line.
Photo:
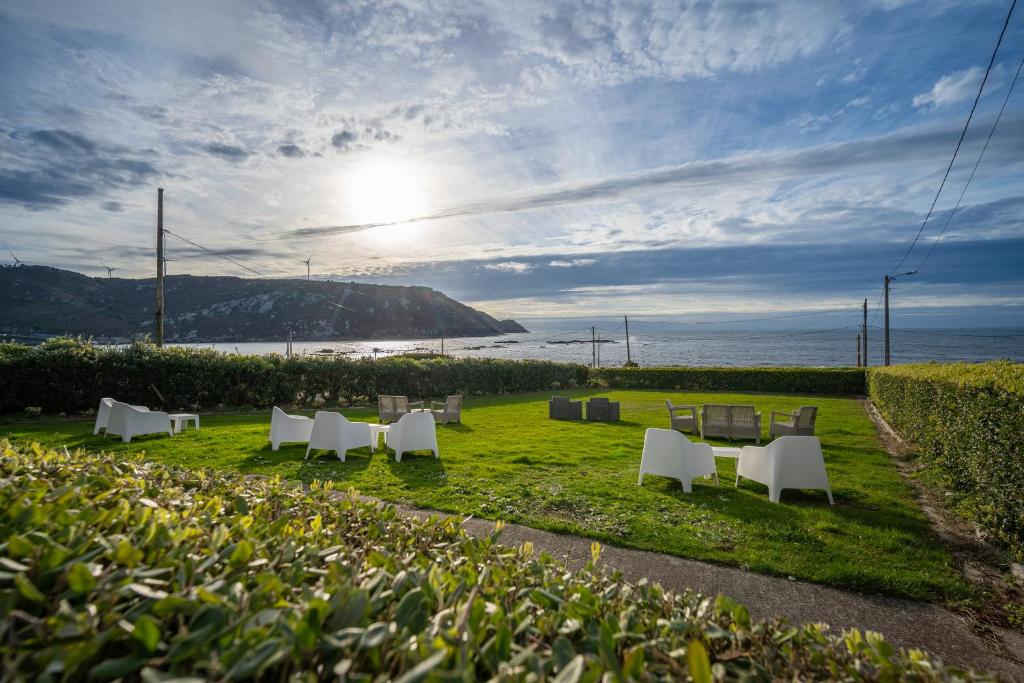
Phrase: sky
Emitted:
{"points": [[529, 158]]}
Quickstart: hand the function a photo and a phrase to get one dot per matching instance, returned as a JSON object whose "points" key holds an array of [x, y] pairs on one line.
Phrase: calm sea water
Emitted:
{"points": [[561, 340]]}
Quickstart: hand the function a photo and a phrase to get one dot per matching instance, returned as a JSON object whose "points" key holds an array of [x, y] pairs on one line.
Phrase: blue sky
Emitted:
{"points": [[530, 158]]}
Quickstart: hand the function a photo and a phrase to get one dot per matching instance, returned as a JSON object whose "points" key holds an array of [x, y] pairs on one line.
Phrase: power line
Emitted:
{"points": [[953, 334], [963, 134], [214, 252], [808, 314], [974, 170]]}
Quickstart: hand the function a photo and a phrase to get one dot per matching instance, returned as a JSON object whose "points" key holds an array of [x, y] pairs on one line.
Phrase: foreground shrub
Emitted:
{"points": [[839, 381], [967, 420], [117, 568], [68, 375]]}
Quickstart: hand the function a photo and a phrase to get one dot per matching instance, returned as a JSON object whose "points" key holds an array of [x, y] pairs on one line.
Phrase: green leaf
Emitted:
{"points": [[116, 668], [374, 635], [19, 546], [572, 672], [700, 665], [412, 612], [80, 579], [27, 589], [147, 632], [127, 554], [242, 553], [421, 670], [259, 659]]}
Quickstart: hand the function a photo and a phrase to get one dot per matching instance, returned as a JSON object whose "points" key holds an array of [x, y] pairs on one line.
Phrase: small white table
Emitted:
{"points": [[375, 432], [181, 420], [725, 452]]}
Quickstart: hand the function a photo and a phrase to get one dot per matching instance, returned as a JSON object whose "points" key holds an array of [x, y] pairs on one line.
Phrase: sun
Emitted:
{"points": [[386, 191]]}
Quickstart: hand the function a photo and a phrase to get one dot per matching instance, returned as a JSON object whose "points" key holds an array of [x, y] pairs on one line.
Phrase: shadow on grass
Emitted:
{"points": [[456, 427], [418, 469]]}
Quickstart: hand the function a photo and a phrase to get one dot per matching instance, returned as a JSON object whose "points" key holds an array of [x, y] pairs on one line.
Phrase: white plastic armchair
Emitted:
{"points": [[412, 432], [129, 421], [286, 428], [789, 462], [334, 432], [103, 414], [670, 454]]}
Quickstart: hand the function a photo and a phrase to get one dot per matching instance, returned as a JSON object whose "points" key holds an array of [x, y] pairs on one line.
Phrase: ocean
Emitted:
{"points": [[685, 344]]}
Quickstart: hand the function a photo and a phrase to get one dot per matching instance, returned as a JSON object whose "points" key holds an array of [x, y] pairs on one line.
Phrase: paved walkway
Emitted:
{"points": [[904, 623]]}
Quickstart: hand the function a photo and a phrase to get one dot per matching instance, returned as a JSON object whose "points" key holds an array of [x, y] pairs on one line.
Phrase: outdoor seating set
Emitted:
{"points": [[128, 421], [740, 422], [392, 408], [331, 431], [598, 409]]}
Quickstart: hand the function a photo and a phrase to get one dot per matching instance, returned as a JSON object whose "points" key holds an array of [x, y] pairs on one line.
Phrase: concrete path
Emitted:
{"points": [[904, 623]]}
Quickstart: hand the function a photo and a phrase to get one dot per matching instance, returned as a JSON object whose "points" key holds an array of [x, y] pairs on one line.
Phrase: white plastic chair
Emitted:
{"points": [[128, 421], [670, 454], [789, 462], [286, 428], [103, 414], [412, 432], [334, 432]]}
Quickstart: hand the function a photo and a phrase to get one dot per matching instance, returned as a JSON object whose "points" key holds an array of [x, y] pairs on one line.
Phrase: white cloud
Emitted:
{"points": [[951, 89], [573, 263], [510, 267]]}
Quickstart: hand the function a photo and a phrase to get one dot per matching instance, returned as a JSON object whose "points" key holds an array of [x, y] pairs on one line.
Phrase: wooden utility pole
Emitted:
{"points": [[442, 346], [858, 351], [885, 334], [864, 331], [629, 359], [593, 347], [160, 267]]}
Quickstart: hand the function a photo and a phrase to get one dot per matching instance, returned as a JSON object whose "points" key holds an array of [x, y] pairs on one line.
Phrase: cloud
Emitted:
{"points": [[903, 147], [113, 207], [291, 151], [50, 167], [950, 89], [228, 152], [574, 263], [510, 267]]}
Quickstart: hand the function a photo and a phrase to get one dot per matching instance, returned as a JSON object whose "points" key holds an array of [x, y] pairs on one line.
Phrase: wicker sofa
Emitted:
{"points": [[561, 408], [730, 422]]}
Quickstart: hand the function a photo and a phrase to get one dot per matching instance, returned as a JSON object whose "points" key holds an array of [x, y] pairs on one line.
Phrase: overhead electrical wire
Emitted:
{"points": [[974, 170], [960, 142]]}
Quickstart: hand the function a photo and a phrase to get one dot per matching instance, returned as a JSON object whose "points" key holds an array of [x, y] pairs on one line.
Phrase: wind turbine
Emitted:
{"points": [[110, 270], [307, 264], [17, 261]]}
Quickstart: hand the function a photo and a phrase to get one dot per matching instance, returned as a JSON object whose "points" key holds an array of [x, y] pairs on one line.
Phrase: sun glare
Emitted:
{"points": [[386, 191]]}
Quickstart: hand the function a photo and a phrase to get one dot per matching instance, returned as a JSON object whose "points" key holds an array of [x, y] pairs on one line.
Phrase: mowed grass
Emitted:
{"points": [[508, 461]]}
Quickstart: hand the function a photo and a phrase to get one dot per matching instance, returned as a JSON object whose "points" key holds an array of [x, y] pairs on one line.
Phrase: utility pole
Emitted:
{"points": [[160, 267], [858, 351], [865, 332], [442, 345], [593, 347], [885, 295], [629, 360]]}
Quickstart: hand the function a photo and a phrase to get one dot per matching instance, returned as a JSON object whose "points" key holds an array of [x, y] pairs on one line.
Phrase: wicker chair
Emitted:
{"points": [[730, 422], [602, 410], [561, 408], [392, 408], [682, 418], [449, 410], [798, 423]]}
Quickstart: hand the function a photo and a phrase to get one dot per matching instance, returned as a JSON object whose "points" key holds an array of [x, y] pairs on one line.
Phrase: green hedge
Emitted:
{"points": [[967, 421], [131, 570], [838, 381], [68, 375]]}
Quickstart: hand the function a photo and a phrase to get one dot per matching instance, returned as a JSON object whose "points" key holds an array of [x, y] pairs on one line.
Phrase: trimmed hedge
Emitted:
{"points": [[69, 375], [839, 381], [126, 569], [967, 420]]}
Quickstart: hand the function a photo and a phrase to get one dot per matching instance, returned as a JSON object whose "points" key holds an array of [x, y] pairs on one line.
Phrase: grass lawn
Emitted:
{"points": [[508, 461]]}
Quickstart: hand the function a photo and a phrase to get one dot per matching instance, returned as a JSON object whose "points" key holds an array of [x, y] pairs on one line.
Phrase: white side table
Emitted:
{"points": [[725, 452], [181, 420], [375, 432]]}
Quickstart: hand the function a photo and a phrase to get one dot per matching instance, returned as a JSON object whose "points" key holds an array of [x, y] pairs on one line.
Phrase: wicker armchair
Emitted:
{"points": [[561, 408], [682, 418], [798, 423], [449, 410], [392, 408], [602, 410]]}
